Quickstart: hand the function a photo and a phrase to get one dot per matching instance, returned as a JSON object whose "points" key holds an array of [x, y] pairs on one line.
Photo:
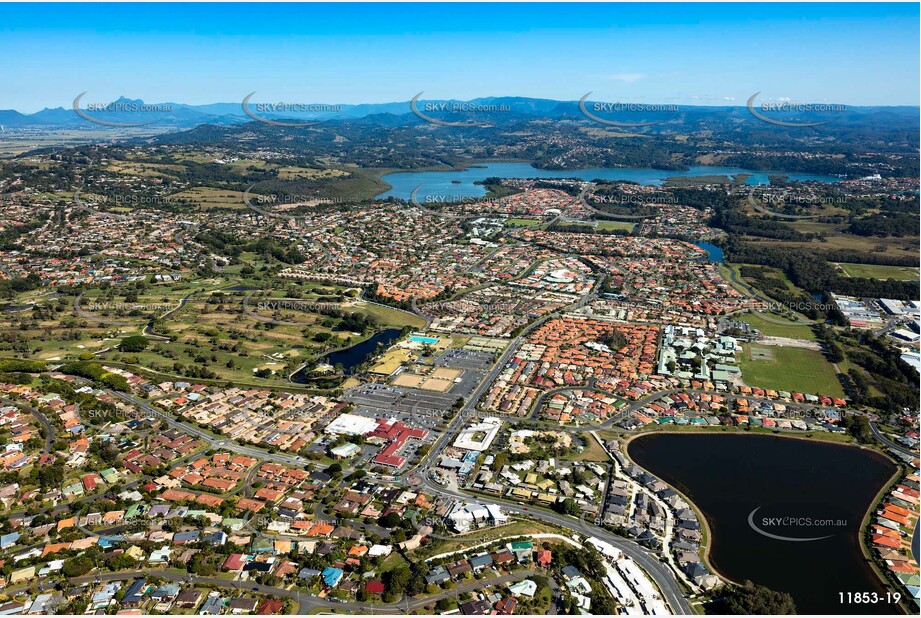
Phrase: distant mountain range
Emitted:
{"points": [[175, 116]]}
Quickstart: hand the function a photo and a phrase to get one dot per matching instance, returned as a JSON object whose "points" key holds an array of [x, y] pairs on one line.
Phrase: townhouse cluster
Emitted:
{"points": [[686, 532], [623, 246], [544, 479], [567, 352], [20, 430], [676, 284], [741, 406], [494, 311], [510, 261], [581, 406], [156, 238], [679, 221], [280, 420], [564, 275]]}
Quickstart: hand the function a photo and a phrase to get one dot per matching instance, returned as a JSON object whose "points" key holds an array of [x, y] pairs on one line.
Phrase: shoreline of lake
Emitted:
{"points": [[710, 547], [363, 349], [460, 183]]}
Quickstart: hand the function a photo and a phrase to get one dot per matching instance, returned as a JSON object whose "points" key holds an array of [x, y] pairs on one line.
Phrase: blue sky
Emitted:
{"points": [[704, 54]]}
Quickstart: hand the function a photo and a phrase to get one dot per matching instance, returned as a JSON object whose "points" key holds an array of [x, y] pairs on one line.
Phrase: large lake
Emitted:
{"points": [[457, 184], [729, 476]]}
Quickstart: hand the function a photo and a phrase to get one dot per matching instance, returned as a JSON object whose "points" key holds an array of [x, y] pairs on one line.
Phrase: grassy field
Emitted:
{"points": [[690, 181], [615, 225], [875, 271], [210, 331], [597, 132], [907, 245], [592, 452], [388, 315], [210, 197], [773, 273], [771, 327], [131, 168], [791, 369], [392, 562], [289, 173], [486, 535], [20, 140]]}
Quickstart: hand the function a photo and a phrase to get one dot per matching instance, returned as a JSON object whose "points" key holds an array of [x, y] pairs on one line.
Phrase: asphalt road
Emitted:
{"points": [[649, 562], [893, 445], [41, 418]]}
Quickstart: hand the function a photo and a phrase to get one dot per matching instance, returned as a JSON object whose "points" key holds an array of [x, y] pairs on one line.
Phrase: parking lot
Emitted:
{"points": [[395, 399], [423, 421], [465, 359]]}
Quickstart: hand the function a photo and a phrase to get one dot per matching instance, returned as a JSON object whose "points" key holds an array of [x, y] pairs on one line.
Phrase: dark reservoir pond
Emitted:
{"points": [[352, 357], [794, 489]]}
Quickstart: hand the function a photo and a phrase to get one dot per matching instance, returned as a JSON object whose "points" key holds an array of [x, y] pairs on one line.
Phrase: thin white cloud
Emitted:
{"points": [[628, 78]]}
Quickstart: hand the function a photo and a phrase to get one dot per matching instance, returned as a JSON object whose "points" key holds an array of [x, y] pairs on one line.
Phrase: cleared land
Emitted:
{"points": [[875, 271], [288, 173], [615, 225], [791, 369], [907, 245], [211, 197], [778, 326], [592, 451]]}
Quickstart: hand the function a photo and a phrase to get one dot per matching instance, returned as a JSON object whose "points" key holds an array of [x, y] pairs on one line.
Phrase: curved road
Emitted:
{"points": [[40, 417], [898, 447]]}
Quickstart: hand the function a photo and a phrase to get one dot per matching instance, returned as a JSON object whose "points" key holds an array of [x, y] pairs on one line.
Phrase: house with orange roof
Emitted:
{"points": [[84, 543], [208, 500], [321, 529], [113, 516], [269, 495], [247, 504], [220, 484], [885, 541], [900, 510], [899, 519], [53, 548]]}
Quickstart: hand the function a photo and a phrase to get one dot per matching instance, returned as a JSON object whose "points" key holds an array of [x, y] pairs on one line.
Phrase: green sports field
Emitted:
{"points": [[791, 369]]}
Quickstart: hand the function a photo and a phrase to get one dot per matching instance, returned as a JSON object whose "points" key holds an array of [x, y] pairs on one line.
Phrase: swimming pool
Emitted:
{"points": [[421, 339]]}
